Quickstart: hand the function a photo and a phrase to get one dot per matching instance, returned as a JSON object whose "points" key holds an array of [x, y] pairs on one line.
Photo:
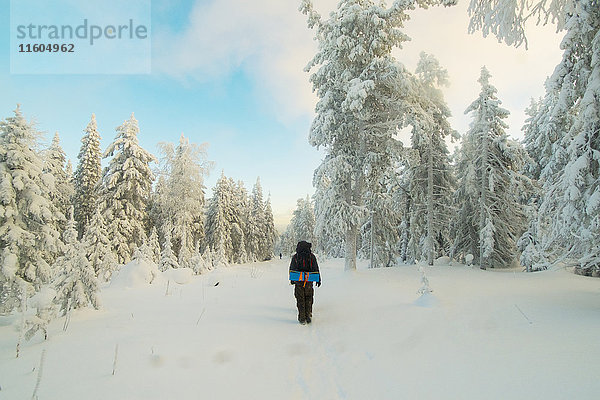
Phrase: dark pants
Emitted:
{"points": [[304, 300]]}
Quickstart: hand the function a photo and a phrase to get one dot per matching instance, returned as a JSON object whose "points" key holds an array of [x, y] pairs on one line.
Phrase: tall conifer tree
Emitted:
{"points": [[87, 176], [362, 101], [126, 185], [490, 215], [29, 240]]}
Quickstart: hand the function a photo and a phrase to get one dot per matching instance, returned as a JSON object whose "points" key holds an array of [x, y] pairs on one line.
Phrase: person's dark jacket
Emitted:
{"points": [[304, 260]]}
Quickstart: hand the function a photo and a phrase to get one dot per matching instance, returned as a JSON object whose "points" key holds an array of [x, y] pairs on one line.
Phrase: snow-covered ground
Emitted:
{"points": [[479, 335]]}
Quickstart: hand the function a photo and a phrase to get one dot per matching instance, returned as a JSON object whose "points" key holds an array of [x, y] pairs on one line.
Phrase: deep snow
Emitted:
{"points": [[479, 335]]}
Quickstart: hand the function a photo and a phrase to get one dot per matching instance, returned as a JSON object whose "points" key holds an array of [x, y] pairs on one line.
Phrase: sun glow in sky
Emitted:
{"points": [[230, 73]]}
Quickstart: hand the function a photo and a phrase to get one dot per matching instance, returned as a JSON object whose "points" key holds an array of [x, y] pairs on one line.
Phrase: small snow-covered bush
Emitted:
{"points": [[136, 273], [469, 259]]}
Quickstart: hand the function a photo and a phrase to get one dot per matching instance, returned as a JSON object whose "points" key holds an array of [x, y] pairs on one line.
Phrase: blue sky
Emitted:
{"points": [[230, 73]]}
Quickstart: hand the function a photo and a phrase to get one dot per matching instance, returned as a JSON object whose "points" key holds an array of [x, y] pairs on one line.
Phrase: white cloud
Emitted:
{"points": [[269, 40]]}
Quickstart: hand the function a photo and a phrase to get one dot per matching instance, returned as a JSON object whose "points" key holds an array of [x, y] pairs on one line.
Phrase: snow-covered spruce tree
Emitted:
{"points": [[490, 215], [256, 224], [303, 221], [567, 223], [580, 183], [361, 103], [539, 153], [125, 192], [270, 231], [538, 145], [98, 248], [545, 132], [431, 183], [380, 234], [301, 227], [45, 313], [182, 193], [144, 253], [159, 204], [69, 172], [76, 284], [219, 217], [562, 226], [29, 240], [400, 185], [54, 165], [167, 257], [331, 241], [261, 233], [70, 180], [238, 229], [530, 250], [185, 254], [154, 246], [87, 176], [207, 255], [285, 243], [239, 255], [241, 206], [219, 257], [198, 263]]}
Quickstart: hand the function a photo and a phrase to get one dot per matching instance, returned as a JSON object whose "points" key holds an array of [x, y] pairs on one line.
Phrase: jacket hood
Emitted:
{"points": [[303, 247]]}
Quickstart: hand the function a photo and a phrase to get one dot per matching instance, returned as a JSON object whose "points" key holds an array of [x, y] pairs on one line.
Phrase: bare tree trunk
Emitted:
{"points": [[23, 309], [483, 198], [351, 236], [372, 243], [406, 232], [354, 197], [430, 238]]}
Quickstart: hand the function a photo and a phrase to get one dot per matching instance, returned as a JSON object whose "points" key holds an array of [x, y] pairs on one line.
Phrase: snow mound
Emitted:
{"points": [[426, 300], [443, 261], [179, 275], [136, 273]]}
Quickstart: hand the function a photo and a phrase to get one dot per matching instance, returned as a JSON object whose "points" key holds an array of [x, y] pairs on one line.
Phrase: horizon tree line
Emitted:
{"points": [[69, 231]]}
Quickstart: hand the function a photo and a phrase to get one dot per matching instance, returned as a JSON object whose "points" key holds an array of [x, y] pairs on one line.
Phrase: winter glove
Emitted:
{"points": [[319, 284]]}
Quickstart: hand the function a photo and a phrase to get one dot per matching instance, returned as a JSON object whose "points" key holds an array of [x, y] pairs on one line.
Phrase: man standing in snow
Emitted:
{"points": [[304, 261]]}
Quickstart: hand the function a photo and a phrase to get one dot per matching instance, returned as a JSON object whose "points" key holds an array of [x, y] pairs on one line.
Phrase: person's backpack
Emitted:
{"points": [[304, 261]]}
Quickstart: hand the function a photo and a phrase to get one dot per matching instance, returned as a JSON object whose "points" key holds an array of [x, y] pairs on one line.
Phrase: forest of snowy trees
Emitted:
{"points": [[66, 232], [496, 202]]}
